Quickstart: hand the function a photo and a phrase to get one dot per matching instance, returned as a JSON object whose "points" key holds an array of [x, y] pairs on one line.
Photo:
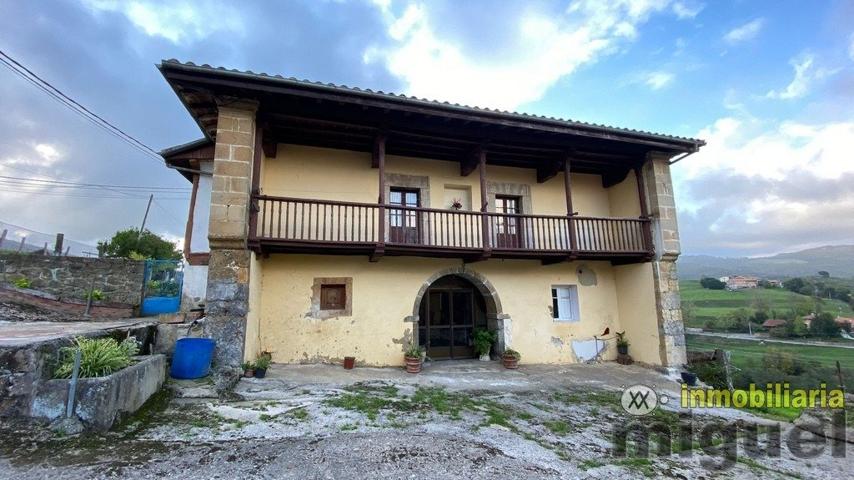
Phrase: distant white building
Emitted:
{"points": [[740, 282]]}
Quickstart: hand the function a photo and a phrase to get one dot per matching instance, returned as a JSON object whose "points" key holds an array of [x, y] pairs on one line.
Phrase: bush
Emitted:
{"points": [[96, 295], [22, 282], [712, 283], [824, 325], [712, 374], [99, 357]]}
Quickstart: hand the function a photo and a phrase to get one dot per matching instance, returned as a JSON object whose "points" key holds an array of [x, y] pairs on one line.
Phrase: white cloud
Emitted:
{"points": [[48, 152], [742, 146], [805, 75], [767, 187], [687, 10], [547, 47], [178, 22], [744, 32], [658, 80]]}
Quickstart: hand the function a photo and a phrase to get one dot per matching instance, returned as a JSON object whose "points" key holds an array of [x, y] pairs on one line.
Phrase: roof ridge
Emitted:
{"points": [[579, 123]]}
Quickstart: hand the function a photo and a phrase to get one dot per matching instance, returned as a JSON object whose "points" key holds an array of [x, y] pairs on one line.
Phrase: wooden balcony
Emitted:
{"points": [[296, 225]]}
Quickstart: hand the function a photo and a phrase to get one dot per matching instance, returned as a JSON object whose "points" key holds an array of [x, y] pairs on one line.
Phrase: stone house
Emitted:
{"points": [[332, 221]]}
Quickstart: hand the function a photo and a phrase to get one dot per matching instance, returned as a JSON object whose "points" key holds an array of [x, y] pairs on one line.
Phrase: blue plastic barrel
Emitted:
{"points": [[192, 358]]}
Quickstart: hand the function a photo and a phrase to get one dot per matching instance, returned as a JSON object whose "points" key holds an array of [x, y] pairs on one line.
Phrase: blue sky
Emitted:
{"points": [[769, 86]]}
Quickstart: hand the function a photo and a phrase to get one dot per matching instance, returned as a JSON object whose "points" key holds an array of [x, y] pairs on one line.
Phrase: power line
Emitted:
{"points": [[95, 185], [72, 104]]}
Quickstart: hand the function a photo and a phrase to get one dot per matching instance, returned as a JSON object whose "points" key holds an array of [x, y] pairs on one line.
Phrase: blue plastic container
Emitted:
{"points": [[192, 358]]}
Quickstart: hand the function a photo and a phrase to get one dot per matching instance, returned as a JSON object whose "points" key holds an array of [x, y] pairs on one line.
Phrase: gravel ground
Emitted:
{"points": [[381, 430]]}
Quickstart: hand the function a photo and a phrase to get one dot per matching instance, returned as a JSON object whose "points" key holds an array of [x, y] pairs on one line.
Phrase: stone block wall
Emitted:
{"points": [[228, 268], [662, 210], [72, 277]]}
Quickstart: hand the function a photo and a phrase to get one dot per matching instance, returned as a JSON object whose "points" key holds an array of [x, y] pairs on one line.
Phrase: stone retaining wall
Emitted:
{"points": [[71, 277]]}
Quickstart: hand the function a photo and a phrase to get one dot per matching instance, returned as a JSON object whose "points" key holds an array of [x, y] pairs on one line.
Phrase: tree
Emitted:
{"points": [[824, 273], [130, 244], [824, 325], [794, 284], [712, 283]]}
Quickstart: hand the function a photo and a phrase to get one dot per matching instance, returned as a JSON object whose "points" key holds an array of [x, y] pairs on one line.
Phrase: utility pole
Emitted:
{"points": [[144, 218]]}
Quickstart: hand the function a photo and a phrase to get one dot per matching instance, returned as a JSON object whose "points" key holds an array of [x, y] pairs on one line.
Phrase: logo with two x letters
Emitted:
{"points": [[640, 400]]}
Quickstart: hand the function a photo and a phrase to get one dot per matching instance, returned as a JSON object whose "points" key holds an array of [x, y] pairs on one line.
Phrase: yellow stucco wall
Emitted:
{"points": [[252, 346], [384, 292], [384, 295], [638, 315], [328, 174]]}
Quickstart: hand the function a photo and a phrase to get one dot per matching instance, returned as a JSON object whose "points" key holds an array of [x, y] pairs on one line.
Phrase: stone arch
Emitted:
{"points": [[497, 320]]}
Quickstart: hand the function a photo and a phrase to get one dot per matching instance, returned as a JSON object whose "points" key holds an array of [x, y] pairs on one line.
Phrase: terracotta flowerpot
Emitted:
{"points": [[413, 364], [349, 363], [249, 373], [510, 362]]}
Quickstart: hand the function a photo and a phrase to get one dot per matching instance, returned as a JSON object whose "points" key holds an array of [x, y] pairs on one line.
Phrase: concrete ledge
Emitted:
{"points": [[101, 400]]}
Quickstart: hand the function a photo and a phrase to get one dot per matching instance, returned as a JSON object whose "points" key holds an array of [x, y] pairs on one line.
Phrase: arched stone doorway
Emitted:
{"points": [[449, 306]]}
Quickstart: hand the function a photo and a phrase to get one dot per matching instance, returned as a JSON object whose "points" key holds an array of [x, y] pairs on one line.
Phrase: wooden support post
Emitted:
{"points": [[484, 203], [256, 185], [57, 247], [647, 228], [379, 160], [570, 212]]}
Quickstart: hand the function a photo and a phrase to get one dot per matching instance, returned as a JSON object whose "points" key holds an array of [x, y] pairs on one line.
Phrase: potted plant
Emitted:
{"points": [[248, 369], [511, 359], [483, 340], [414, 357], [622, 343], [261, 365], [457, 204]]}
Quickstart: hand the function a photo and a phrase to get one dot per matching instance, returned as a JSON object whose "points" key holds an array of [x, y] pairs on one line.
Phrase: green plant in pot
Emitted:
{"points": [[414, 358], [483, 340], [622, 343], [248, 369], [511, 358], [262, 364]]}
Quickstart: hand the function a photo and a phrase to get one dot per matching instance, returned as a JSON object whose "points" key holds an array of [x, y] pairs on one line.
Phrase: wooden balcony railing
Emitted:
{"points": [[282, 221]]}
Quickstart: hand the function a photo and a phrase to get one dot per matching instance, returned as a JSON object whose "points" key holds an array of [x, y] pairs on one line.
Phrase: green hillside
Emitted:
{"points": [[700, 304]]}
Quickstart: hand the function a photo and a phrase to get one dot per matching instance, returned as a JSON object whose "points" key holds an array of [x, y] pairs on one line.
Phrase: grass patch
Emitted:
{"points": [[558, 427], [642, 465]]}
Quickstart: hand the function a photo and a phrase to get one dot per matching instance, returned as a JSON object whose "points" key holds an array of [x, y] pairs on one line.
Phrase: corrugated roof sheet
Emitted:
{"points": [[436, 103]]}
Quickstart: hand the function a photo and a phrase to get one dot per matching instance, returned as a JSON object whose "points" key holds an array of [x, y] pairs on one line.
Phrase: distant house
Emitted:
{"points": [[739, 282], [775, 283], [773, 323], [808, 319], [842, 321]]}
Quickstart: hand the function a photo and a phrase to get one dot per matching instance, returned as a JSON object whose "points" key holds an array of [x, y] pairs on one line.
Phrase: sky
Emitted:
{"points": [[769, 85]]}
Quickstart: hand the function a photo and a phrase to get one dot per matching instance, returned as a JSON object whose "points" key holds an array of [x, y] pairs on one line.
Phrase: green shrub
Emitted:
{"points": [[96, 295], [712, 374], [99, 357], [22, 282]]}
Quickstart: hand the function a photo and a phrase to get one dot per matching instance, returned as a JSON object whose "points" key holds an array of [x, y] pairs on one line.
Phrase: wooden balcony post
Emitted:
{"points": [[256, 188], [647, 227], [379, 161], [570, 212], [484, 202]]}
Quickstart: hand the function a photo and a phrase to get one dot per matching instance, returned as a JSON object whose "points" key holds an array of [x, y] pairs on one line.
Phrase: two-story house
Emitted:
{"points": [[333, 221]]}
